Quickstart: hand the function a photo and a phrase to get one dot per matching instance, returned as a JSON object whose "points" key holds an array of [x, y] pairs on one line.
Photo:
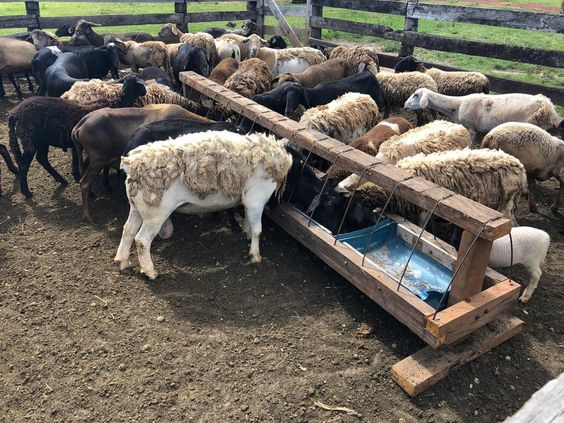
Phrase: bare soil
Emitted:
{"points": [[216, 339]]}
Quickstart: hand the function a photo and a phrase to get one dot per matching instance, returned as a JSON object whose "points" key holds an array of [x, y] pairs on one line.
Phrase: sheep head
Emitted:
{"points": [[84, 28], [170, 30], [133, 88], [419, 100], [255, 43]]}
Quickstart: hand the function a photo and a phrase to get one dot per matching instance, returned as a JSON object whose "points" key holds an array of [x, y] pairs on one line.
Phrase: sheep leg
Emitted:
{"points": [[559, 197], [29, 84], [531, 183], [8, 159], [75, 172], [130, 228], [149, 230], [44, 161], [106, 180], [536, 273], [24, 164], [14, 82], [254, 200], [2, 92], [86, 182]]}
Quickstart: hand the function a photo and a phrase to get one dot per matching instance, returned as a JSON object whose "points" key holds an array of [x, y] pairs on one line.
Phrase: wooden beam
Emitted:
{"points": [[380, 6], [459, 210], [182, 8], [410, 24], [296, 11], [288, 31], [472, 261], [545, 406], [459, 320], [428, 366], [354, 27], [495, 17], [32, 10]]}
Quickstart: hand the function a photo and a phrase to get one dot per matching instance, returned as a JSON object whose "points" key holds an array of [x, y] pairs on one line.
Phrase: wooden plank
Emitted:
{"points": [[235, 15], [461, 211], [286, 28], [477, 48], [457, 321], [380, 6], [428, 366], [354, 27], [495, 17], [113, 20], [470, 277], [125, 1], [545, 406], [378, 286], [17, 21]]}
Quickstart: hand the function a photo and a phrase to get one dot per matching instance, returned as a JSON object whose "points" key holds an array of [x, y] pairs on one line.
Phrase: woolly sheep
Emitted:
{"points": [[244, 46], [398, 87], [228, 49], [195, 173], [370, 142], [224, 69], [141, 55], [357, 54], [251, 78], [530, 246], [436, 136], [205, 41], [346, 118], [448, 83], [480, 113], [490, 177], [541, 154]]}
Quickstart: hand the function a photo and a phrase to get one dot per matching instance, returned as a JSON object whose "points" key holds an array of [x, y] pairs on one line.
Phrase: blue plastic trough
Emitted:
{"points": [[425, 277]]}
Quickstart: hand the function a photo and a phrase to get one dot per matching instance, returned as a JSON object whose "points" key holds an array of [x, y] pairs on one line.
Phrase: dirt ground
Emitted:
{"points": [[216, 339]]}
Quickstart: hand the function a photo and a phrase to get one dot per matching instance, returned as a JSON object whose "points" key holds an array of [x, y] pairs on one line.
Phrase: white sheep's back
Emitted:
{"points": [[206, 162]]}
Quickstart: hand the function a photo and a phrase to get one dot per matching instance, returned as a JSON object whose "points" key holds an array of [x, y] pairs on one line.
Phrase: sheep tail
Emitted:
{"points": [[13, 139], [78, 149]]}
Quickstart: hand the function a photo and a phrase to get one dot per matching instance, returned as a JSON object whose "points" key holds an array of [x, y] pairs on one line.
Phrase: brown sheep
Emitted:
{"points": [[224, 69], [104, 134], [356, 53], [253, 77], [331, 70]]}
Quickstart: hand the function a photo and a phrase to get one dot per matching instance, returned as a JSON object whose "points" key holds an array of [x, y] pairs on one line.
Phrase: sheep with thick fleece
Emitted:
{"points": [[398, 87], [490, 177], [370, 142], [198, 173], [110, 92], [142, 55], [224, 69], [227, 49], [345, 119], [251, 78], [480, 113], [438, 135], [530, 246], [541, 153], [205, 41], [357, 54]]}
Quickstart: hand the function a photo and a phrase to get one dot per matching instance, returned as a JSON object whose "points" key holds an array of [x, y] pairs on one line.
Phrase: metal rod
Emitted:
{"points": [[302, 170], [380, 217], [419, 238]]}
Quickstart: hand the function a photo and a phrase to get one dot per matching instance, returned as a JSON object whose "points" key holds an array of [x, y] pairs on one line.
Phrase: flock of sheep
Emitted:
{"points": [[189, 155]]}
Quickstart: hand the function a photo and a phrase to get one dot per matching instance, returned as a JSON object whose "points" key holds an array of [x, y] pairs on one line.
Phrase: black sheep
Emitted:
{"points": [[190, 58], [277, 42], [11, 166]]}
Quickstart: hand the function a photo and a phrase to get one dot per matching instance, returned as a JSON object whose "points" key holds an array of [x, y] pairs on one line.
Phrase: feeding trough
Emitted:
{"points": [[456, 330]]}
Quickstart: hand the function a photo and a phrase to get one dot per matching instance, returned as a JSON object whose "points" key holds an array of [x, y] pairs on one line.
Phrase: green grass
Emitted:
{"points": [[505, 69]]}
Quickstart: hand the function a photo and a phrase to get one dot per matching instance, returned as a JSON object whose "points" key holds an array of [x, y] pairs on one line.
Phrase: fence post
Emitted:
{"points": [[181, 6], [313, 9], [410, 24], [32, 10], [255, 9]]}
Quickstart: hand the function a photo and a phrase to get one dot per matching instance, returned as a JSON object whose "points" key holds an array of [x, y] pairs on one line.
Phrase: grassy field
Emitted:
{"points": [[501, 68]]}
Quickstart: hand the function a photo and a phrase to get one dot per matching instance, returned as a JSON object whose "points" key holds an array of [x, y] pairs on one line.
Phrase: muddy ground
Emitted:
{"points": [[216, 339]]}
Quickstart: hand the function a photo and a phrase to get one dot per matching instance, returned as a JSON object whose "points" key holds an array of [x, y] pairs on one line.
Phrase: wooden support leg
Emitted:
{"points": [[428, 366], [470, 277]]}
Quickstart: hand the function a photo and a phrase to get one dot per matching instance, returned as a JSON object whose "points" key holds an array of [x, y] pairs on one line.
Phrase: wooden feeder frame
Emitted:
{"points": [[474, 321]]}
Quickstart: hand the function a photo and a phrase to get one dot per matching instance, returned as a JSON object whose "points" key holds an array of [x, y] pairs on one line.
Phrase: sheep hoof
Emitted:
{"points": [[525, 298], [256, 258], [123, 264], [152, 274]]}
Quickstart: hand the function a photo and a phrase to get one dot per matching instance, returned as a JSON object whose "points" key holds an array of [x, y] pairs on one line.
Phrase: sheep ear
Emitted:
{"points": [[424, 102], [361, 67], [175, 30], [92, 23]]}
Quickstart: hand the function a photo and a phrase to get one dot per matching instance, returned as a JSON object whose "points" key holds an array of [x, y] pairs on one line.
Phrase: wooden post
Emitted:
{"points": [[255, 9], [313, 9], [32, 9], [181, 6], [284, 26], [470, 278], [410, 24]]}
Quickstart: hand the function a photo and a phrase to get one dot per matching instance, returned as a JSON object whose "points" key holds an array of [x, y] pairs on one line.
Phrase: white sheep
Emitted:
{"points": [[227, 48], [490, 177], [242, 42], [345, 118], [199, 173], [530, 246], [541, 154], [141, 55], [205, 41], [438, 135], [480, 113]]}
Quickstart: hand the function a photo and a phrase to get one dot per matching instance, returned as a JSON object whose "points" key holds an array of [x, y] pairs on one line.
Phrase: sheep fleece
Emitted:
{"points": [[206, 162], [459, 83], [398, 87], [346, 118], [253, 77]]}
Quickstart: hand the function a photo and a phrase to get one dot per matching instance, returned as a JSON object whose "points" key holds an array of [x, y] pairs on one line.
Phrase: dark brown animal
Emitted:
{"points": [[331, 70], [104, 134], [11, 166], [224, 69]]}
